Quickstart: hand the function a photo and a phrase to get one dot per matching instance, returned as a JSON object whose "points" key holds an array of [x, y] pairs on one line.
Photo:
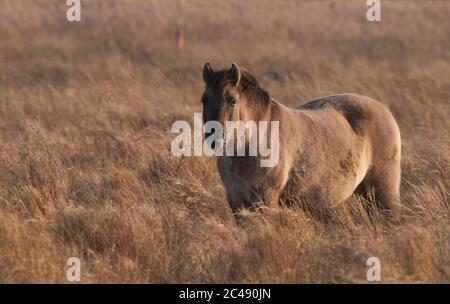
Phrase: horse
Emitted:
{"points": [[329, 148]]}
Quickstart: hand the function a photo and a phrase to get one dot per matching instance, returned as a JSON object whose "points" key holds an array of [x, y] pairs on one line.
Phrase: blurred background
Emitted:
{"points": [[85, 115]]}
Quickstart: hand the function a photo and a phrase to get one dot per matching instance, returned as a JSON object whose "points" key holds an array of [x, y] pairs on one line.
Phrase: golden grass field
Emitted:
{"points": [[85, 115]]}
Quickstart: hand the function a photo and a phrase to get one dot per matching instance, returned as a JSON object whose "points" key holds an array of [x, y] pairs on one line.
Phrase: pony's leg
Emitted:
{"points": [[274, 186], [235, 201], [271, 196], [385, 181]]}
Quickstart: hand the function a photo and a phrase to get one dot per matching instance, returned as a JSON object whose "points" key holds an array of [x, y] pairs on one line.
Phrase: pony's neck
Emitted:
{"points": [[259, 113]]}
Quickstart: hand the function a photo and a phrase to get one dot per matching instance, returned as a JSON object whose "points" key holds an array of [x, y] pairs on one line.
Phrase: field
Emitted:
{"points": [[85, 115]]}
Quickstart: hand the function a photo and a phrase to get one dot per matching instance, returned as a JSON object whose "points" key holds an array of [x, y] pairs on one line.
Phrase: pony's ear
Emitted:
{"points": [[235, 74], [207, 73]]}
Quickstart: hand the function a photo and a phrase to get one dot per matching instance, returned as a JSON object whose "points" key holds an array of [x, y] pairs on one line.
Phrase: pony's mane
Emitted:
{"points": [[249, 86]]}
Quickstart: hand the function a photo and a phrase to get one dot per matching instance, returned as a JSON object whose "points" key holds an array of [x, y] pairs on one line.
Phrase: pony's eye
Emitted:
{"points": [[233, 102]]}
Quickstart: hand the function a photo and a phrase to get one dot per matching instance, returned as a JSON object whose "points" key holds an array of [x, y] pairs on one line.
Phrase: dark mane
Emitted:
{"points": [[249, 86]]}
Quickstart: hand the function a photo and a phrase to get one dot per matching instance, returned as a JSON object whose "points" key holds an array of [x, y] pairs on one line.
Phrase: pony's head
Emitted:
{"points": [[232, 95]]}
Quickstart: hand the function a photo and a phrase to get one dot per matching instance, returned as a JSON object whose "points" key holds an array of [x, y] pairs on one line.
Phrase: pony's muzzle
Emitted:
{"points": [[208, 134], [219, 140]]}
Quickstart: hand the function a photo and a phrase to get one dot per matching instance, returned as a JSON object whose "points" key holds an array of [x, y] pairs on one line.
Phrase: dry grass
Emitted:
{"points": [[85, 116]]}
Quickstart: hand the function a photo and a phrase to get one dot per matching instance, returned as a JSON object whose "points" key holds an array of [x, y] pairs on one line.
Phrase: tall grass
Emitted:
{"points": [[85, 116]]}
